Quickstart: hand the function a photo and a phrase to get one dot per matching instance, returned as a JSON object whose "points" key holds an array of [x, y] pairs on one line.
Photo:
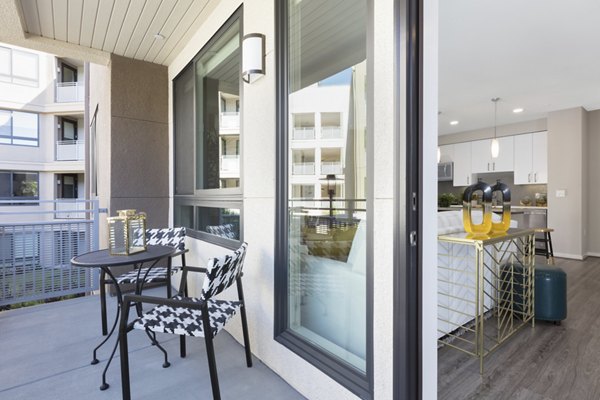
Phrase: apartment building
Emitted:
{"points": [[42, 144]]}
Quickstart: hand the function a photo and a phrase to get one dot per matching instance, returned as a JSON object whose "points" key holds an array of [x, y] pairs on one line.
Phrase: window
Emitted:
{"points": [[19, 67], [322, 310], [19, 185], [208, 194], [19, 128], [68, 129]]}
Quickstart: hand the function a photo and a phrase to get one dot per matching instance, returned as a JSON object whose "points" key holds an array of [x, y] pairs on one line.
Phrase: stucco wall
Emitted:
{"points": [[259, 139]]}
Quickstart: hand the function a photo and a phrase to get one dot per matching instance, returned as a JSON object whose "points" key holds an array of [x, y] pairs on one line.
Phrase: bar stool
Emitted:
{"points": [[546, 240]]}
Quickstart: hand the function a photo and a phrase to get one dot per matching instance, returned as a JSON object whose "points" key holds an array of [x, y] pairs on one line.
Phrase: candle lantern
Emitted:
{"points": [[127, 233]]}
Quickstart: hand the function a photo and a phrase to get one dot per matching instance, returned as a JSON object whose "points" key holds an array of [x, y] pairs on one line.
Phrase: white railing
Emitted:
{"points": [[331, 132], [331, 167], [37, 247], [303, 168], [230, 163], [68, 92], [303, 133], [67, 208], [70, 150], [229, 121]]}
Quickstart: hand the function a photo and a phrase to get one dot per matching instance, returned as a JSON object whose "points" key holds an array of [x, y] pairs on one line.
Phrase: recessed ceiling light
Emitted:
{"points": [[158, 36], [518, 110], [453, 122]]}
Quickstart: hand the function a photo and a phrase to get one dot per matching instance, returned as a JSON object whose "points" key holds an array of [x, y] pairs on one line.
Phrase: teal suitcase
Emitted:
{"points": [[550, 294]]}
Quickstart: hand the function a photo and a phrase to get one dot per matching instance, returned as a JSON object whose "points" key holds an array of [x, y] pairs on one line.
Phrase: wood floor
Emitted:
{"points": [[546, 362]]}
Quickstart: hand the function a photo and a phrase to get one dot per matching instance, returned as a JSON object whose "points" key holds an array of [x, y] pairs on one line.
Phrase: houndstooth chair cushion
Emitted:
{"points": [[222, 272], [225, 230], [156, 274], [185, 321], [174, 237]]}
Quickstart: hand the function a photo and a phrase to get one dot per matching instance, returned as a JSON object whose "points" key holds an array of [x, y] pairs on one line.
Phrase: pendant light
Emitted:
{"points": [[439, 155], [495, 148]]}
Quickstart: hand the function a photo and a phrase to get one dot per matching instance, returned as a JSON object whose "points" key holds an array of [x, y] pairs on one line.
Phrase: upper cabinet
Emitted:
{"points": [[481, 156], [531, 158], [462, 164], [447, 153]]}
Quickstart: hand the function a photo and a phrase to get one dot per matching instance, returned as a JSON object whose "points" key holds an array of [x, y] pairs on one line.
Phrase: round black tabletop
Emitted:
{"points": [[102, 258]]}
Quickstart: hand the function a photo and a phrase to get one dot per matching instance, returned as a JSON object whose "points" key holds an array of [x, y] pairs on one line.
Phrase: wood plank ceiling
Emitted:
{"points": [[127, 28]]}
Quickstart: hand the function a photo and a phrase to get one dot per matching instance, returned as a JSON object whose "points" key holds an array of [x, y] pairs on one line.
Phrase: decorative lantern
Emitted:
{"points": [[127, 233]]}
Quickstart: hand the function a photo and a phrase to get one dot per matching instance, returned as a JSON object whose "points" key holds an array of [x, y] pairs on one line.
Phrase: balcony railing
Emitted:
{"points": [[36, 250], [229, 121], [70, 150], [303, 133], [230, 163], [331, 167], [69, 92], [303, 168], [68, 209], [331, 132]]}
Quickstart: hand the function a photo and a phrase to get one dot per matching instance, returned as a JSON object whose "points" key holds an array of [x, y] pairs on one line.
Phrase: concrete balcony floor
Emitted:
{"points": [[46, 353]]}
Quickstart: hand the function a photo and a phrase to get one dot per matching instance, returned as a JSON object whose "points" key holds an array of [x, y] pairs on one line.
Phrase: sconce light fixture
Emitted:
{"points": [[253, 57]]}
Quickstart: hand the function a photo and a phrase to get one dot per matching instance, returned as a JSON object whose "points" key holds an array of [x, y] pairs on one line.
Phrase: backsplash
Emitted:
{"points": [[517, 191]]}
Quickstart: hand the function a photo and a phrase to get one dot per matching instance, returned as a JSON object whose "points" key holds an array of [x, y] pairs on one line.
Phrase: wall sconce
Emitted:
{"points": [[253, 57]]}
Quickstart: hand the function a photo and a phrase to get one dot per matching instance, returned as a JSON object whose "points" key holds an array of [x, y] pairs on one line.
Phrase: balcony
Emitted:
{"points": [[303, 133], [69, 92], [230, 163], [229, 121], [49, 349], [70, 150], [331, 132], [303, 168], [331, 167]]}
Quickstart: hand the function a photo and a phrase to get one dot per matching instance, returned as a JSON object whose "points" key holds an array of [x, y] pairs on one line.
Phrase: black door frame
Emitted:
{"points": [[408, 199]]}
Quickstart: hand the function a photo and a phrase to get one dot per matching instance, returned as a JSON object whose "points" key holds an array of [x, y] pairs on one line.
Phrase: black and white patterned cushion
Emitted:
{"points": [[174, 237], [185, 321], [222, 272], [225, 230], [156, 274]]}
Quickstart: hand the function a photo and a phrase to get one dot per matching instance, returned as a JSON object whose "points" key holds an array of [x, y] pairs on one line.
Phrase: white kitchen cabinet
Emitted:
{"points": [[462, 164], [481, 155], [447, 153], [531, 158]]}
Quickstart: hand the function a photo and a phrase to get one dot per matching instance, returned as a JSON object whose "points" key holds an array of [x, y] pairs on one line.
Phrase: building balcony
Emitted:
{"points": [[331, 167], [303, 133], [70, 150], [331, 132], [230, 163], [69, 92], [303, 168], [50, 345], [229, 121]]}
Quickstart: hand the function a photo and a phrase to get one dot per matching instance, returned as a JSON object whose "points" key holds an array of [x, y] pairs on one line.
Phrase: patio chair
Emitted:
{"points": [[174, 237], [188, 316]]}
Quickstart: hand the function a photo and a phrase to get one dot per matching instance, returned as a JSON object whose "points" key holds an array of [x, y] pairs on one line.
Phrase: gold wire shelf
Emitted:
{"points": [[485, 289]]}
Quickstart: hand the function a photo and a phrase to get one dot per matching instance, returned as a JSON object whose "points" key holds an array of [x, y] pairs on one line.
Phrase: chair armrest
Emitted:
{"points": [[180, 252], [195, 269], [136, 298]]}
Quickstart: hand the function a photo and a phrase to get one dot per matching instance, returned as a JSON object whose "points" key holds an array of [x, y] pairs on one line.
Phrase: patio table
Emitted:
{"points": [[104, 260]]}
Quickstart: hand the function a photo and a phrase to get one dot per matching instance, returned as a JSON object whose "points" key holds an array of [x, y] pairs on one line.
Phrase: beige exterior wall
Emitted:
{"points": [[258, 160]]}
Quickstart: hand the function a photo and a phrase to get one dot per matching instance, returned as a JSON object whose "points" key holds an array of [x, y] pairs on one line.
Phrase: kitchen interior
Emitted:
{"points": [[525, 76]]}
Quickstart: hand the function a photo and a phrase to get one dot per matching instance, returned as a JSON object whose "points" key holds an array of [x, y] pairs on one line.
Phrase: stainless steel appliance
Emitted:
{"points": [[445, 170]]}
